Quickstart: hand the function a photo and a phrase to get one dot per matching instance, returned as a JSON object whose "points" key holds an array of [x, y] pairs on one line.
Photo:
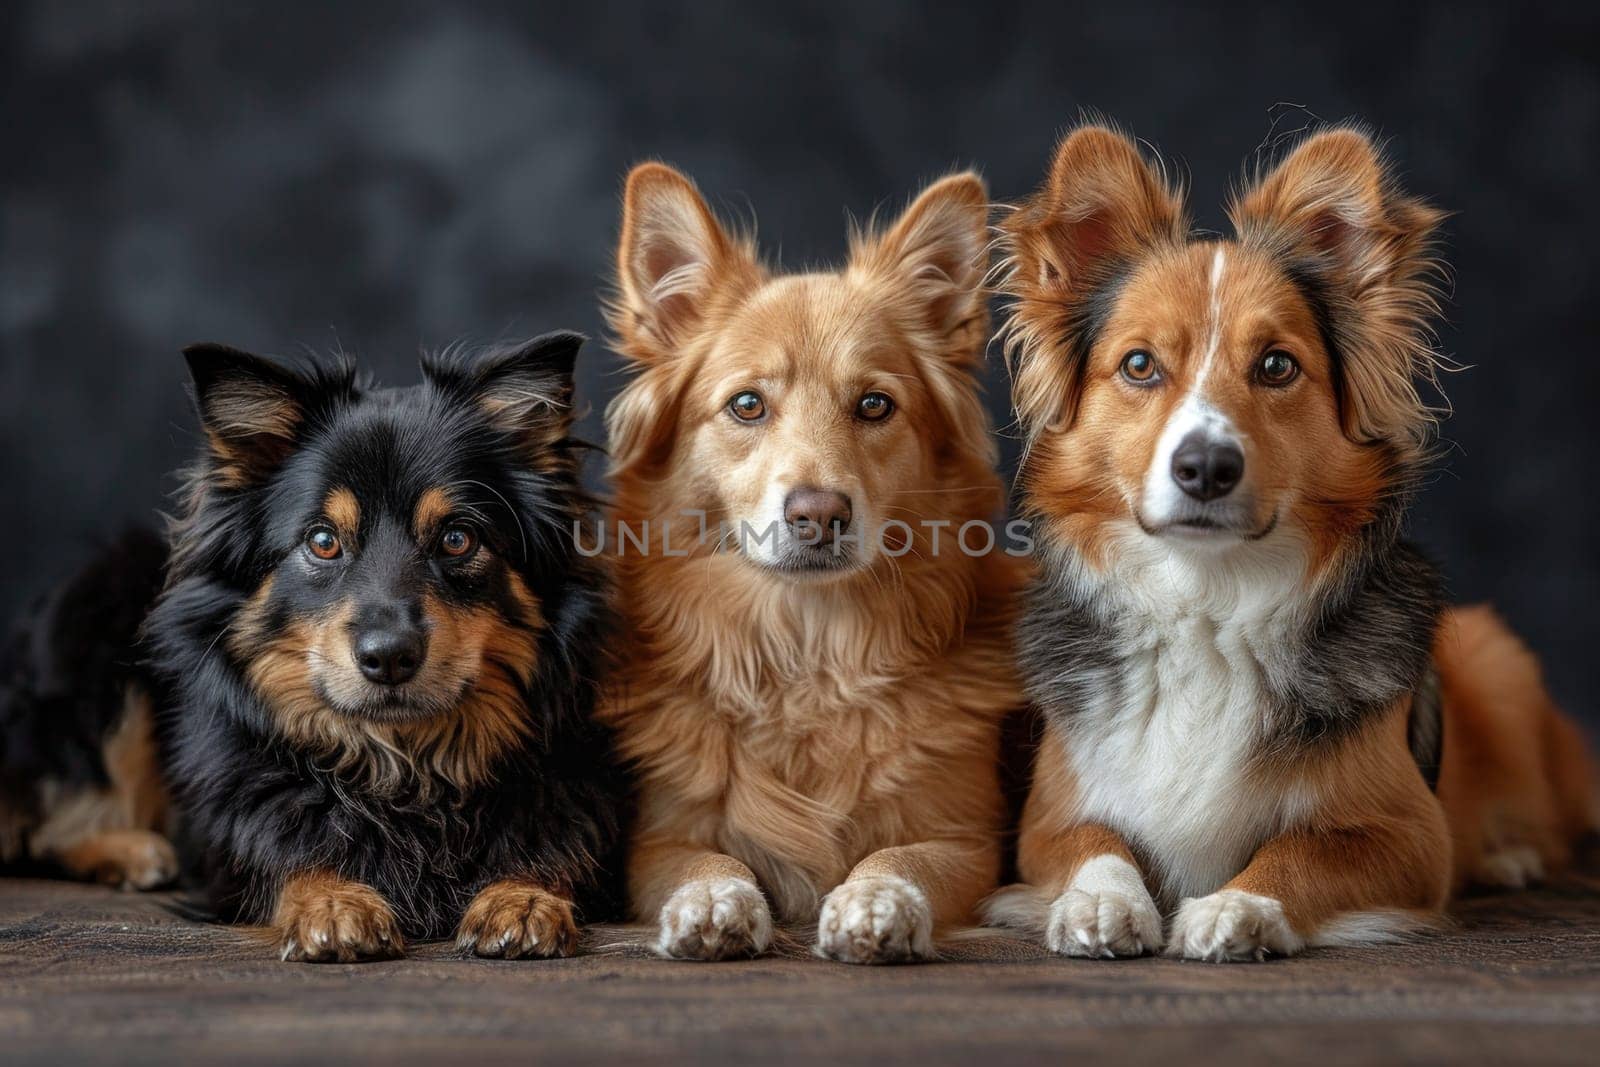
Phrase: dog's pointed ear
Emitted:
{"points": [[1332, 197], [1100, 206], [251, 408], [671, 251], [1333, 213], [524, 389], [1102, 201], [937, 251]]}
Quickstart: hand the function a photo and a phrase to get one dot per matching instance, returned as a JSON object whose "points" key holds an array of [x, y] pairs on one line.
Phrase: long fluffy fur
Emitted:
{"points": [[280, 798], [788, 729], [1239, 734]]}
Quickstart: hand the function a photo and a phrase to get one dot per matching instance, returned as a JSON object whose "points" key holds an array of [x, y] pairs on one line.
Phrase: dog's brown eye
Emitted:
{"points": [[458, 541], [1277, 368], [324, 543], [747, 406], [874, 407], [1139, 367]]}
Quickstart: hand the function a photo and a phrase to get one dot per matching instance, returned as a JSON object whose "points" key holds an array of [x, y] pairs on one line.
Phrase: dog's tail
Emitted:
{"points": [[1518, 781], [1573, 775], [1384, 926], [1020, 908]]}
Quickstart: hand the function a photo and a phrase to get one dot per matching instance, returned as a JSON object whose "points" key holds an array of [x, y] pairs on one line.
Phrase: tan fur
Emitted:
{"points": [[343, 509], [128, 859], [802, 733], [1052, 842], [323, 918], [1305, 472], [434, 506], [1335, 199], [1322, 455], [1100, 200], [1092, 436], [249, 431], [515, 918], [1374, 837], [112, 834], [475, 665], [1516, 773]]}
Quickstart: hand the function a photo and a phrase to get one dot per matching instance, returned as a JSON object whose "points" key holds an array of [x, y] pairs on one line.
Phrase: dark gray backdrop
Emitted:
{"points": [[384, 176]]}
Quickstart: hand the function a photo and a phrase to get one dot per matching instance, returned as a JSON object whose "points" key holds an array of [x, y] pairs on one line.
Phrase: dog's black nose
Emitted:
{"points": [[1205, 468], [390, 655], [816, 516]]}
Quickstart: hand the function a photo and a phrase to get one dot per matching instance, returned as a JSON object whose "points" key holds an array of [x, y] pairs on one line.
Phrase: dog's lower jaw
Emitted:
{"points": [[1105, 913], [1231, 925], [822, 570], [879, 919], [715, 919]]}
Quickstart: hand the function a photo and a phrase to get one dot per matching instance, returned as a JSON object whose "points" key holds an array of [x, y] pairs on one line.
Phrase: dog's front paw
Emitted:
{"points": [[875, 920], [1232, 925], [338, 922], [715, 919], [1103, 924], [513, 919], [1106, 912], [128, 859]]}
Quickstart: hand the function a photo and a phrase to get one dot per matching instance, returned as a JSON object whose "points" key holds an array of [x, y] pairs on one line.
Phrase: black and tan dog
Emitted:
{"points": [[1251, 684], [362, 700]]}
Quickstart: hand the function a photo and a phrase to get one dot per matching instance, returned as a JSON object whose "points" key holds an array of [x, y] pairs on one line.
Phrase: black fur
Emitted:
{"points": [[1309, 276], [1369, 646], [1425, 728], [252, 806], [1067, 641]]}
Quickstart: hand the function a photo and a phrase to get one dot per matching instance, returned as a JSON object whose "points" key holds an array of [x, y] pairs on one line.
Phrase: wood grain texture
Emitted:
{"points": [[94, 975]]}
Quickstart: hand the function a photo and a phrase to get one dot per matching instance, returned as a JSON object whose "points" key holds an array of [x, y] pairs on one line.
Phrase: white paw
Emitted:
{"points": [[715, 920], [1103, 925], [1232, 925], [1105, 913], [1511, 868], [875, 920]]}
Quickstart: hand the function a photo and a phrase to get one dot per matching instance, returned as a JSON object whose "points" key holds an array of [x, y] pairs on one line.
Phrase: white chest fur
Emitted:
{"points": [[1163, 753]]}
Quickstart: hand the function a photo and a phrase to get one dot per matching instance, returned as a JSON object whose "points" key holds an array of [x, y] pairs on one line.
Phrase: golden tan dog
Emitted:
{"points": [[812, 690], [1251, 686]]}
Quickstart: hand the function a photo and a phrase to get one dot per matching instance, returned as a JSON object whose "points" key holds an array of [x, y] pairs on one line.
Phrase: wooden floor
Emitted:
{"points": [[90, 974]]}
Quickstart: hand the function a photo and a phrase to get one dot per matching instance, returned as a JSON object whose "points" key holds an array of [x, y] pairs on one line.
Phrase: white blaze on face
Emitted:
{"points": [[1213, 322], [1162, 499]]}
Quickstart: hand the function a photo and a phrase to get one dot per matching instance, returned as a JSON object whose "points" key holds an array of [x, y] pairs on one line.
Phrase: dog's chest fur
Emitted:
{"points": [[1166, 699], [799, 757]]}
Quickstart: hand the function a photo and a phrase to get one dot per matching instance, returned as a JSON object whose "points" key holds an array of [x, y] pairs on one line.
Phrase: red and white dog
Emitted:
{"points": [[1262, 723]]}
